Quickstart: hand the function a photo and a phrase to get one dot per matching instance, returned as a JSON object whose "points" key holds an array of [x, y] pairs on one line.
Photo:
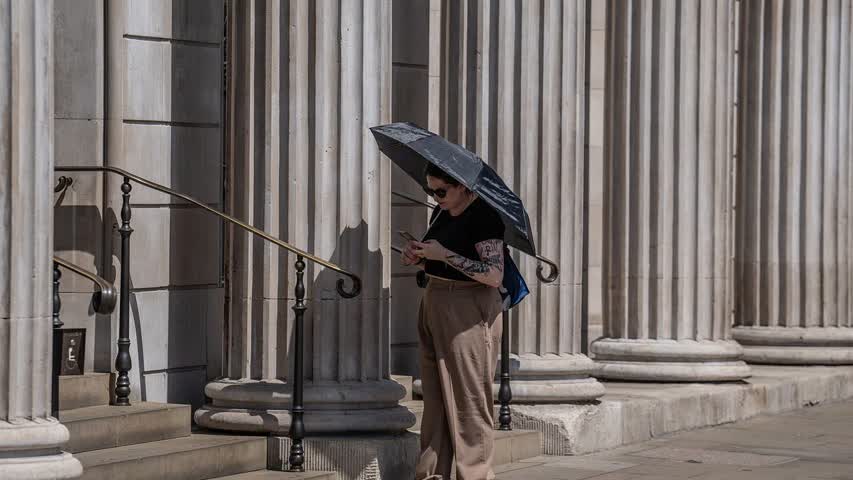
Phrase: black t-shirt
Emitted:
{"points": [[461, 233]]}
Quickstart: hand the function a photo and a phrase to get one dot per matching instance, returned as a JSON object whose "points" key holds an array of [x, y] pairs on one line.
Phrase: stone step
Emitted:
{"points": [[88, 390], [95, 428], [273, 475], [196, 457], [510, 446]]}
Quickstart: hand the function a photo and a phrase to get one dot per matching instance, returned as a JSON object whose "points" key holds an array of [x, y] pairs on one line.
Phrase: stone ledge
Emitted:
{"points": [[635, 412]]}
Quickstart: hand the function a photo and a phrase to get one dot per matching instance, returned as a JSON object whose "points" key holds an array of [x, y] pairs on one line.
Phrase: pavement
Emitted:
{"points": [[806, 444]]}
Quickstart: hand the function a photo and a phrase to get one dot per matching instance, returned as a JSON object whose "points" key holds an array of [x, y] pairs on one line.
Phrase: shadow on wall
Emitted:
{"points": [[345, 339], [194, 294], [76, 229]]}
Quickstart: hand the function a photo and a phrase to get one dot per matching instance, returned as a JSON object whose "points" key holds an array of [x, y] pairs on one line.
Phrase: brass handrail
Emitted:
{"points": [[554, 269], [104, 300], [356, 287]]}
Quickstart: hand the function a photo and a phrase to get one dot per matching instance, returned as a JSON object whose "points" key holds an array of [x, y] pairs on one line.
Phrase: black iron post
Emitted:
{"points": [[123, 364], [505, 392], [297, 427], [57, 324]]}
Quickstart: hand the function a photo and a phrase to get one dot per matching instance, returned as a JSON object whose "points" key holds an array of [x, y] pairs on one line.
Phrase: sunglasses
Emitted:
{"points": [[437, 193]]}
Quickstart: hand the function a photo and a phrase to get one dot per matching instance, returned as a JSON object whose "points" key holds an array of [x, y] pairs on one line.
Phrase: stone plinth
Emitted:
{"points": [[667, 291], [635, 412]]}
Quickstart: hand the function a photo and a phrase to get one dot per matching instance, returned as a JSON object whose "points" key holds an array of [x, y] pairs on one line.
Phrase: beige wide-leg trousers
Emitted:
{"points": [[460, 335]]}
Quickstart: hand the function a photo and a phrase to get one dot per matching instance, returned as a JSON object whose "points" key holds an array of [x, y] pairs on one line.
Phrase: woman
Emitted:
{"points": [[462, 253]]}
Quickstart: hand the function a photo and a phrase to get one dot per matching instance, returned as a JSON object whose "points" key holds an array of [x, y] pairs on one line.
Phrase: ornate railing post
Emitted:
{"points": [[297, 427], [57, 324], [505, 392], [123, 364]]}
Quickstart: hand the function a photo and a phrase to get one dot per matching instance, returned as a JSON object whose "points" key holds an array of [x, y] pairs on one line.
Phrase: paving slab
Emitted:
{"points": [[744, 450]]}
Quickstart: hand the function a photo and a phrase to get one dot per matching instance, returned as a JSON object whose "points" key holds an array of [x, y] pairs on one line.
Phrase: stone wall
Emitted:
{"points": [[138, 87], [410, 84]]}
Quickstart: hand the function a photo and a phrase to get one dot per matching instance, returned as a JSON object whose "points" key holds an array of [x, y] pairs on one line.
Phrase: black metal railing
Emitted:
{"points": [[505, 390], [123, 363], [103, 302]]}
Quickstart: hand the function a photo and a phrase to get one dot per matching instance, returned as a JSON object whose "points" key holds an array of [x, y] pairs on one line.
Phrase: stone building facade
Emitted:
{"points": [[686, 163]]}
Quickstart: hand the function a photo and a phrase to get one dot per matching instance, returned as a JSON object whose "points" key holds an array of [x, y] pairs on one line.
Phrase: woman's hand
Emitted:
{"points": [[431, 250], [408, 256]]}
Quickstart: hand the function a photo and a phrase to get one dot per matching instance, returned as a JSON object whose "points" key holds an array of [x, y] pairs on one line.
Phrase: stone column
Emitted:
{"points": [[794, 256], [516, 96], [667, 194], [306, 81], [30, 439]]}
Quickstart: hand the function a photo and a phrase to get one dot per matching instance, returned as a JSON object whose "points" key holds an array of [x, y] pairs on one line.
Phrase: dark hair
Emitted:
{"points": [[433, 171]]}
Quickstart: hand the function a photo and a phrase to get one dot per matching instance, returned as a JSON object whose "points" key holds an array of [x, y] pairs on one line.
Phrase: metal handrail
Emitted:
{"points": [[103, 300], [356, 288], [554, 269]]}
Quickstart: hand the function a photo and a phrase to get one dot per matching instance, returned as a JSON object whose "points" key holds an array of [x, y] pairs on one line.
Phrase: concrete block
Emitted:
{"points": [[172, 82], [411, 32], [194, 20], [215, 335], [107, 426], [596, 175], [597, 56], [88, 390], [195, 457], [184, 386], [185, 159], [405, 301], [353, 457], [80, 142], [78, 59], [410, 86], [403, 183], [406, 382], [173, 246], [195, 247], [596, 118], [172, 325], [404, 360], [598, 14]]}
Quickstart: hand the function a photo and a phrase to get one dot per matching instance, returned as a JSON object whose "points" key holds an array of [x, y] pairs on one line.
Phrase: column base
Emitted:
{"points": [[547, 379], [552, 378], [264, 406], [30, 449], [669, 360], [796, 345], [353, 457]]}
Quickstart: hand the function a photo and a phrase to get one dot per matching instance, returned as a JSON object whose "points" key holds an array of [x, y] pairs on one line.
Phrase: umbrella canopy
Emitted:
{"points": [[411, 148]]}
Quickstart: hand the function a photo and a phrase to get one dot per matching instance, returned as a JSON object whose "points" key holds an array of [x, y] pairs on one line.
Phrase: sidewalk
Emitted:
{"points": [[811, 443]]}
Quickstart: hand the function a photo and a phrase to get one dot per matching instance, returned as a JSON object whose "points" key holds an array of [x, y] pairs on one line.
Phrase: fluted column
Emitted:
{"points": [[308, 79], [794, 300], [30, 439], [668, 178], [514, 83]]}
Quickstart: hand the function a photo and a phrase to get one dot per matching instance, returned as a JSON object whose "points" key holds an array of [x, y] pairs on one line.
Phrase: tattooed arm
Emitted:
{"points": [[489, 269]]}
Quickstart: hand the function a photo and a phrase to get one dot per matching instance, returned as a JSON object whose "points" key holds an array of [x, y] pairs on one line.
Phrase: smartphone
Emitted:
{"points": [[407, 235]]}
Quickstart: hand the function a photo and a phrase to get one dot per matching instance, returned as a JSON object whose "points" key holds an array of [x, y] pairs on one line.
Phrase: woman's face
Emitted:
{"points": [[454, 196]]}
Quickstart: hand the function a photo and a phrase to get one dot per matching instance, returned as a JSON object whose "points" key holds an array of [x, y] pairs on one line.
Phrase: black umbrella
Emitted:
{"points": [[411, 148]]}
